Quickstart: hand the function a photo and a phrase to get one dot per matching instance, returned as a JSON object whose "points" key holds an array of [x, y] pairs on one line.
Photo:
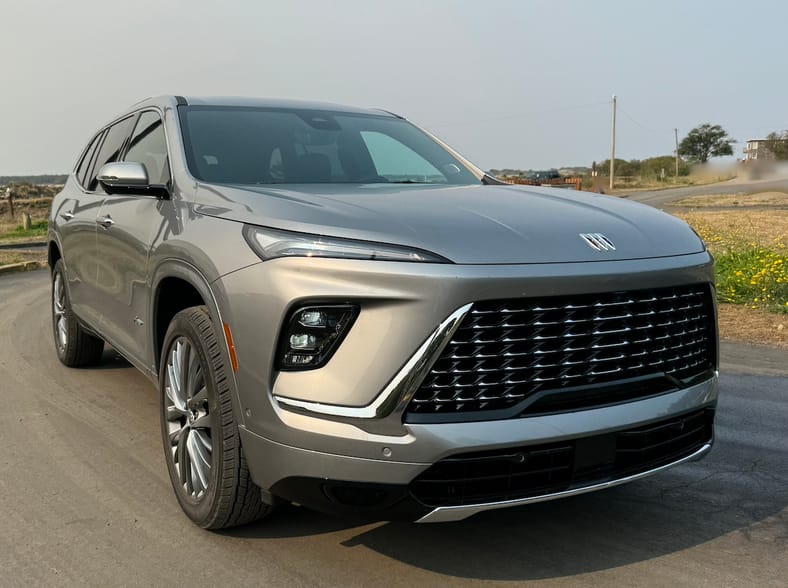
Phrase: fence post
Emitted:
{"points": [[10, 195]]}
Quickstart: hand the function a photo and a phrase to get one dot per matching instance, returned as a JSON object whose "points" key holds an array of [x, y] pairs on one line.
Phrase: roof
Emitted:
{"points": [[258, 103]]}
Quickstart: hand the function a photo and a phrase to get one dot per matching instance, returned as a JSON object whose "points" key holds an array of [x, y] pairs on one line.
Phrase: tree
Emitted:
{"points": [[645, 169], [777, 143], [706, 141], [623, 167], [653, 166]]}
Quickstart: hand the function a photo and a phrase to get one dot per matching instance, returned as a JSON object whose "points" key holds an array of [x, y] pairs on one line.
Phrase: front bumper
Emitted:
{"points": [[344, 422], [310, 477]]}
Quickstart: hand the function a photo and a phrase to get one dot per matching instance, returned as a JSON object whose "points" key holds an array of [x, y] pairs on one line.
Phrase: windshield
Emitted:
{"points": [[241, 145]]}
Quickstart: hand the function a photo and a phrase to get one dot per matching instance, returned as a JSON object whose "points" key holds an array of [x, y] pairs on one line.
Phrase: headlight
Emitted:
{"points": [[272, 243]]}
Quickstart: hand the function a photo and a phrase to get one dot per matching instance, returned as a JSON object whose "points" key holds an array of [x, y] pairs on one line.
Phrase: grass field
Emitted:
{"points": [[749, 240], [11, 230]]}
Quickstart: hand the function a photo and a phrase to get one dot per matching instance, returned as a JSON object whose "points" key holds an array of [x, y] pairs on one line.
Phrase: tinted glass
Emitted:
{"points": [[148, 146], [282, 146], [110, 148], [84, 164]]}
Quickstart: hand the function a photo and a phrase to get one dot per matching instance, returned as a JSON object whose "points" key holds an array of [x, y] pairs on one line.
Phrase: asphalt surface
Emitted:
{"points": [[661, 198], [85, 498]]}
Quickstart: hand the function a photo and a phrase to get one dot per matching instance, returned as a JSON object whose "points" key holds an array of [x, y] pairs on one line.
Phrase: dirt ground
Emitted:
{"points": [[767, 226], [37, 208], [759, 199], [741, 323], [9, 256]]}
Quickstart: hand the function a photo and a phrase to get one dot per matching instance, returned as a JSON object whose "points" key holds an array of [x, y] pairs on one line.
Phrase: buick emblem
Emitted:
{"points": [[598, 241]]}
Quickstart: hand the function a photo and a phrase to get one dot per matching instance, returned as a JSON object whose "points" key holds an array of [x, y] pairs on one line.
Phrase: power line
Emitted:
{"points": [[519, 115], [638, 123]]}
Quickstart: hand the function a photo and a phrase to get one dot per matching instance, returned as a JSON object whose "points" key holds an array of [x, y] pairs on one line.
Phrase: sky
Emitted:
{"points": [[520, 84]]}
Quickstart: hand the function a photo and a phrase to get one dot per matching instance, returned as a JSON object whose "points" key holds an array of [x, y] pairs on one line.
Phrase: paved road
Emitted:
{"points": [[85, 499], [660, 198]]}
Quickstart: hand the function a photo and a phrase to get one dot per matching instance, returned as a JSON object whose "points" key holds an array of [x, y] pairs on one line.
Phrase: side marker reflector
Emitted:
{"points": [[228, 335]]}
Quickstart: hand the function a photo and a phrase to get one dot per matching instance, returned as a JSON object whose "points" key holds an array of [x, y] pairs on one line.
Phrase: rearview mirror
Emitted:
{"points": [[121, 177]]}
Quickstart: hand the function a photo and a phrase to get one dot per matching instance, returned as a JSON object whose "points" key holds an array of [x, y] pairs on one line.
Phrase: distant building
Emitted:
{"points": [[757, 149]]}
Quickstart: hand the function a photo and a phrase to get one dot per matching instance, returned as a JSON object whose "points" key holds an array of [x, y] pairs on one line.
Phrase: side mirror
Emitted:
{"points": [[128, 177]]}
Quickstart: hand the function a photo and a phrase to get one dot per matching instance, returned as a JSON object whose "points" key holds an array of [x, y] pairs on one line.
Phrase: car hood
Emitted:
{"points": [[477, 224]]}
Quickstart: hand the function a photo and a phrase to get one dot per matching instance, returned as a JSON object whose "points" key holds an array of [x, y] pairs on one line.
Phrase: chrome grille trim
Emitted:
{"points": [[507, 351], [401, 387]]}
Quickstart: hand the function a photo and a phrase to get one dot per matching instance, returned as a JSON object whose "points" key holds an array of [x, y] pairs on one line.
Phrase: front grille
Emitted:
{"points": [[570, 352], [523, 472]]}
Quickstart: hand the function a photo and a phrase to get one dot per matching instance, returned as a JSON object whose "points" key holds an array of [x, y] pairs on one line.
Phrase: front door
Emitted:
{"points": [[127, 224]]}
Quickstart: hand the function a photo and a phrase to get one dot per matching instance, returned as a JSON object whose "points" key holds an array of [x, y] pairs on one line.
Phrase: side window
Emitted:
{"points": [[148, 146], [110, 148], [397, 162], [87, 157]]}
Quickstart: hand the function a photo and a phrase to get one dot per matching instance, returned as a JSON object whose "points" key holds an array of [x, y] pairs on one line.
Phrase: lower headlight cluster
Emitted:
{"points": [[312, 335]]}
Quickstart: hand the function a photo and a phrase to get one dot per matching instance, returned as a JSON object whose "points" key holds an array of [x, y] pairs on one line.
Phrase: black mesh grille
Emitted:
{"points": [[522, 472], [507, 351]]}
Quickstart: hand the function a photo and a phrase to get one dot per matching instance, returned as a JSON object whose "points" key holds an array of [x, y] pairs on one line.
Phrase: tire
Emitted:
{"points": [[202, 447], [74, 345]]}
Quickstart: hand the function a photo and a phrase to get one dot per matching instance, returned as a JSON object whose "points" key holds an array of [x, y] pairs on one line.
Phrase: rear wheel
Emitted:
{"points": [[75, 346], [205, 461]]}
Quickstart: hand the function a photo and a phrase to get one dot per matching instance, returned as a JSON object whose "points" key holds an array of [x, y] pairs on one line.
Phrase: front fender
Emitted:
{"points": [[176, 268]]}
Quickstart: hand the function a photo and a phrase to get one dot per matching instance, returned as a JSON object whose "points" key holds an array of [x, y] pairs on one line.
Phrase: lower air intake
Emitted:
{"points": [[534, 470]]}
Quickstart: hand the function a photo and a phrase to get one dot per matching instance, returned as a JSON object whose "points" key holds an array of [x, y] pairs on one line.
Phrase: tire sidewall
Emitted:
{"points": [[203, 510]]}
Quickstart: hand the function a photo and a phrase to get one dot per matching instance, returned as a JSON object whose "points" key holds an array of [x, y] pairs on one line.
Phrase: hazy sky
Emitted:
{"points": [[523, 84]]}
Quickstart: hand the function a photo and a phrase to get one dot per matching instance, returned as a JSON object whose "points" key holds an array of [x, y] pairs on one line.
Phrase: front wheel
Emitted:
{"points": [[202, 447]]}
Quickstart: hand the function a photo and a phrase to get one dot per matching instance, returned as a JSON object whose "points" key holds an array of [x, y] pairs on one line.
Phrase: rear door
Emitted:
{"points": [[75, 225], [76, 219]]}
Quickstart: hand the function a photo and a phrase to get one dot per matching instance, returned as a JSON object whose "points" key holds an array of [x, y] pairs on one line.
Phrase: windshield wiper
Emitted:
{"points": [[488, 180]]}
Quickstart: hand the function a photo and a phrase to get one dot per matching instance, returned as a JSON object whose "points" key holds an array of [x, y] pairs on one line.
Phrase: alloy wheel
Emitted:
{"points": [[189, 420], [59, 311]]}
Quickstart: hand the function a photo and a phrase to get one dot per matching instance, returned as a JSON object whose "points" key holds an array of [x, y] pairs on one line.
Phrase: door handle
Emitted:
{"points": [[68, 215], [106, 221]]}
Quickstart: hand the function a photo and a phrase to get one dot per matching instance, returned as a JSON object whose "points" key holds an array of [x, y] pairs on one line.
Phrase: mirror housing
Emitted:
{"points": [[128, 177]]}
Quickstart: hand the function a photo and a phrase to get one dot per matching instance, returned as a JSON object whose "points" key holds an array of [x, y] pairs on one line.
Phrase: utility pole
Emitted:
{"points": [[613, 146], [676, 132]]}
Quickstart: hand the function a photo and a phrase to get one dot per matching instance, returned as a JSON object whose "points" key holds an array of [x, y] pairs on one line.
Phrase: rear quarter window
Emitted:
{"points": [[87, 157]]}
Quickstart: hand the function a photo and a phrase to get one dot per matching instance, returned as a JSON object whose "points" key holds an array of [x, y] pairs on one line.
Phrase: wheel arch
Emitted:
{"points": [[177, 285], [53, 253]]}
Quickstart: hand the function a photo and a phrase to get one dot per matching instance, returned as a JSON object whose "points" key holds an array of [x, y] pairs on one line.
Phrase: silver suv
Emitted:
{"points": [[342, 312]]}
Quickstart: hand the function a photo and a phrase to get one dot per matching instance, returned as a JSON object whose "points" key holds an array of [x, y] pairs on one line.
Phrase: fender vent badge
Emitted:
{"points": [[598, 241]]}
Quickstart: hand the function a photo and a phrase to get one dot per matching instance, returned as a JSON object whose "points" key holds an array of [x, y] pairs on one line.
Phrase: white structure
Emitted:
{"points": [[757, 149]]}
